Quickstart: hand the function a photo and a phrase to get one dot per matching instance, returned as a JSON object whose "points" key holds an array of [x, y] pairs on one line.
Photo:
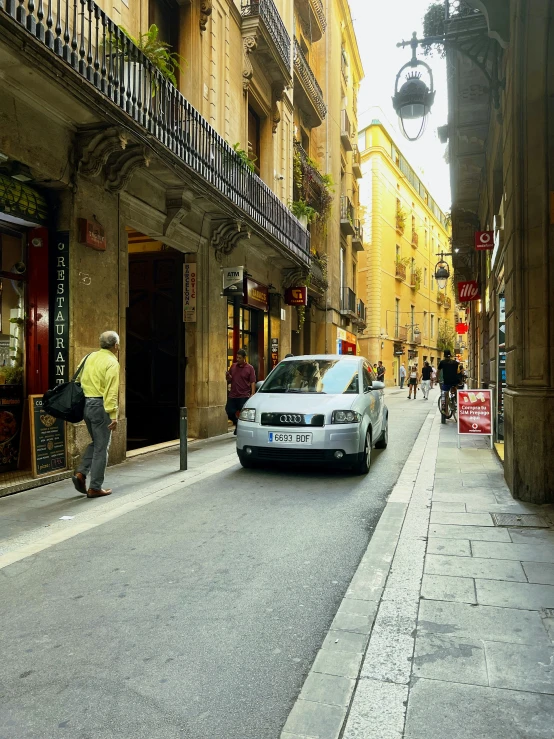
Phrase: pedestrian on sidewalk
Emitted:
{"points": [[433, 376], [412, 384], [242, 378], [402, 376], [426, 373], [100, 383], [380, 371]]}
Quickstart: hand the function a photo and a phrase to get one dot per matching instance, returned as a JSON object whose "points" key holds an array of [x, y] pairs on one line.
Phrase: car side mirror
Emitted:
{"points": [[378, 385]]}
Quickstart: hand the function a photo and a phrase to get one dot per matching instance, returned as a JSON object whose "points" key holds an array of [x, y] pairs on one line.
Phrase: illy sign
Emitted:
{"points": [[484, 240], [468, 291]]}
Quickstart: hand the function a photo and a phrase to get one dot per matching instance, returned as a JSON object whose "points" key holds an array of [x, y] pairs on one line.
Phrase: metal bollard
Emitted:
{"points": [[183, 433]]}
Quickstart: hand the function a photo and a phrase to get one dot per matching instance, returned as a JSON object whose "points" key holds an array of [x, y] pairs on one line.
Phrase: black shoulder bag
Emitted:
{"points": [[67, 401]]}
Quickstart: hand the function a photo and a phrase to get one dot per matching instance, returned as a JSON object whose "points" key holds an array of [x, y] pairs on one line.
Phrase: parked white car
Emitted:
{"points": [[321, 408]]}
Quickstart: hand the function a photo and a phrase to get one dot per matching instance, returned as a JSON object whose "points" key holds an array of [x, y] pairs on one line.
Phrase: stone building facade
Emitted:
{"points": [[410, 318], [152, 190], [501, 142]]}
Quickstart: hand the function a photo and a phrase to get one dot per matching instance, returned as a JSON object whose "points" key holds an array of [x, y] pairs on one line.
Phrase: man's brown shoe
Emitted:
{"points": [[80, 483], [98, 493]]}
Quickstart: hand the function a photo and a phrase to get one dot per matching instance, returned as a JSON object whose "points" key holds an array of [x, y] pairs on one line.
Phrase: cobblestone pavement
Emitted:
{"points": [[447, 629]]}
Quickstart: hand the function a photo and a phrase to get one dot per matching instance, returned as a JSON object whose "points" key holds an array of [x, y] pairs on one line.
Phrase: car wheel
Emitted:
{"points": [[363, 466], [384, 438]]}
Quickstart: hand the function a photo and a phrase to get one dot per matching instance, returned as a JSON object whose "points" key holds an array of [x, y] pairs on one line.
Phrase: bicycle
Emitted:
{"points": [[448, 406]]}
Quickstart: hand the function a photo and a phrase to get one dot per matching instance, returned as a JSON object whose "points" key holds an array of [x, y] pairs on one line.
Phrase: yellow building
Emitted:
{"points": [[409, 319]]}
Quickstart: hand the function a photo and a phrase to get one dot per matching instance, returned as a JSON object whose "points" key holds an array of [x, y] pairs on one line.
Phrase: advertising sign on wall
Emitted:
{"points": [[484, 240], [468, 291], [475, 413], [48, 448], [256, 295], [189, 293], [296, 296], [233, 280], [59, 310]]}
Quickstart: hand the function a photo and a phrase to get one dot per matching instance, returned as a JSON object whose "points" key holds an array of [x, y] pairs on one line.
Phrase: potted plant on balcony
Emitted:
{"points": [[401, 217], [248, 161], [304, 212], [416, 279], [156, 51], [312, 186]]}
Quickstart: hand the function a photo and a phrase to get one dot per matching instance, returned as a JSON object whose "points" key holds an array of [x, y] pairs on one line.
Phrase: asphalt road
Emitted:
{"points": [[195, 616]]}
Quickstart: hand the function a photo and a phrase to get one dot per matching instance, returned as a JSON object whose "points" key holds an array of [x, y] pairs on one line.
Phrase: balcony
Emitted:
{"points": [[447, 303], [345, 131], [347, 216], [348, 303], [356, 162], [134, 95], [400, 271], [307, 92], [358, 237], [415, 335], [415, 239], [265, 35], [413, 280], [441, 298], [401, 333], [313, 15], [361, 314]]}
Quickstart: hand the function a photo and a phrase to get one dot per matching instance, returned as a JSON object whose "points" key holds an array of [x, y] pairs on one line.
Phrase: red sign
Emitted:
{"points": [[462, 328], [474, 412], [92, 234], [255, 294], [468, 291], [484, 240], [296, 296]]}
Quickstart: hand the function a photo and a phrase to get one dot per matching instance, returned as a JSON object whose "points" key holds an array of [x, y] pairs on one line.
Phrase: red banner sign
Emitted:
{"points": [[474, 412], [256, 295], [296, 296], [462, 328], [484, 240], [91, 234], [468, 291]]}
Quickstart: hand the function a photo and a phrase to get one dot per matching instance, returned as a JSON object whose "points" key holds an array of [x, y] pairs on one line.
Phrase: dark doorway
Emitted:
{"points": [[155, 372]]}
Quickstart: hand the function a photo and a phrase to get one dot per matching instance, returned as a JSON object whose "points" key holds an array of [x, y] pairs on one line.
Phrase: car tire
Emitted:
{"points": [[384, 438], [364, 465]]}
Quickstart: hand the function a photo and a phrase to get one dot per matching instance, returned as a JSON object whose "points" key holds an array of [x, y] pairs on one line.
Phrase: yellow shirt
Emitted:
{"points": [[100, 379]]}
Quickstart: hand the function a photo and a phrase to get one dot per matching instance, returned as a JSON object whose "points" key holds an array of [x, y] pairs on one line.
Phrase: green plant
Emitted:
{"points": [[246, 160], [401, 217], [313, 187], [13, 375], [156, 50], [434, 25], [446, 337], [404, 261], [301, 209], [416, 278]]}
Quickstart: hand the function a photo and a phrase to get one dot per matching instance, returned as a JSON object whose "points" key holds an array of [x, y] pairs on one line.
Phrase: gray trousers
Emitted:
{"points": [[95, 457]]}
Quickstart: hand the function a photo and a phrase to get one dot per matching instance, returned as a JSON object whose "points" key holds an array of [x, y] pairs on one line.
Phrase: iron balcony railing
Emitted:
{"points": [[267, 10], [304, 71], [459, 9], [85, 38], [348, 300], [361, 311], [358, 230], [315, 178], [401, 333], [317, 5], [356, 161], [346, 209]]}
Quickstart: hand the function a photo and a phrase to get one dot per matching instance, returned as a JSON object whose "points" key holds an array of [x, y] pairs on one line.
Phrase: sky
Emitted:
{"points": [[379, 26]]}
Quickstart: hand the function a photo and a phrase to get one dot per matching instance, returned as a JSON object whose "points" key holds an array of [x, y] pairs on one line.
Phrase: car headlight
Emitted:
{"points": [[346, 417], [247, 414]]}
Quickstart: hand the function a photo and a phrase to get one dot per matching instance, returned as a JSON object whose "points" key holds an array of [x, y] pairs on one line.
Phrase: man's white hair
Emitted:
{"points": [[109, 339]]}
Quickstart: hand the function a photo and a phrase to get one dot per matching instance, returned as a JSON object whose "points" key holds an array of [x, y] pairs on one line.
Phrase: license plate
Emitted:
{"points": [[277, 437]]}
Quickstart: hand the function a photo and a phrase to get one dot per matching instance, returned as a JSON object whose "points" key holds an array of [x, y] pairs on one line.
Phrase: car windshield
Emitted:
{"points": [[326, 376]]}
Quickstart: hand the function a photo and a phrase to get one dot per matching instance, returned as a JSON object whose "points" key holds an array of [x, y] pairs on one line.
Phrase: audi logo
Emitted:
{"points": [[290, 419]]}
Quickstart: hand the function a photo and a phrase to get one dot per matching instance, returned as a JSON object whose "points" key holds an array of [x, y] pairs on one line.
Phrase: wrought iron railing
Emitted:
{"points": [[267, 10], [346, 209], [317, 5], [316, 179], [361, 311], [400, 271], [459, 9], [358, 230], [401, 333], [356, 156], [84, 37], [347, 300], [309, 81]]}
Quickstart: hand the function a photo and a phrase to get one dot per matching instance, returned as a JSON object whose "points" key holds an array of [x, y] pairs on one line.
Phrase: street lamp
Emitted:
{"points": [[414, 99], [442, 273]]}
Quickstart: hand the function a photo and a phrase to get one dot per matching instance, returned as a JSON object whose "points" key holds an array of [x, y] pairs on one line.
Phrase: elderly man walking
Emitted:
{"points": [[100, 383]]}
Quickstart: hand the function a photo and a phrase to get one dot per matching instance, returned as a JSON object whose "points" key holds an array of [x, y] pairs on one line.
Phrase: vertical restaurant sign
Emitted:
{"points": [[189, 292], [59, 310], [274, 352], [474, 412]]}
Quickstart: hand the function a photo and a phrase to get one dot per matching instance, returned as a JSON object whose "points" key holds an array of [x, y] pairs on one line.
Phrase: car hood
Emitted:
{"points": [[300, 402]]}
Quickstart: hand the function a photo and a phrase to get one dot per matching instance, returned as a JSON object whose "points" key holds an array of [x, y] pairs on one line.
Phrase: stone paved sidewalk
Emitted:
{"points": [[447, 629]]}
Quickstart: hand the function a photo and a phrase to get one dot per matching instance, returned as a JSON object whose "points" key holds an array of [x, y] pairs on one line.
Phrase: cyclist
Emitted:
{"points": [[448, 377]]}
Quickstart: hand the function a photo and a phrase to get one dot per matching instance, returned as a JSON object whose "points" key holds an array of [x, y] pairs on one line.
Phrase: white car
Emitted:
{"points": [[320, 408]]}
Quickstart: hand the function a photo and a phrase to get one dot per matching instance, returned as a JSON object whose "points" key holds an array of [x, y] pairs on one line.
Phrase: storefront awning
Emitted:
{"points": [[19, 201]]}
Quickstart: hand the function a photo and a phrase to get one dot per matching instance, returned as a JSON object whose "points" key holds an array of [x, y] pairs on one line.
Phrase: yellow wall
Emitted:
{"points": [[383, 184]]}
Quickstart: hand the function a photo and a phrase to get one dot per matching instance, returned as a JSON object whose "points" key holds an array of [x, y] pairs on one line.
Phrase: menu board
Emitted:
{"points": [[48, 447], [11, 415]]}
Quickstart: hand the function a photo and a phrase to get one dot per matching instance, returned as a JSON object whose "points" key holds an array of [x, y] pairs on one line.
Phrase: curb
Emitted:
{"points": [[357, 685]]}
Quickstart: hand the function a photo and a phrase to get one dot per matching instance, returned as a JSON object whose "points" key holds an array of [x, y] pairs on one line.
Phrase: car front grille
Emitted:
{"points": [[292, 419]]}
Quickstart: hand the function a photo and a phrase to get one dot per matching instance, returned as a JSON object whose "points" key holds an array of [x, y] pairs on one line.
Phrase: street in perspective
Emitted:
{"points": [[276, 389]]}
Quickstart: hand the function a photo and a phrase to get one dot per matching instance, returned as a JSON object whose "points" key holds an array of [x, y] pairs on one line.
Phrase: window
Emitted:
{"points": [[397, 252], [432, 326], [412, 319], [341, 267], [425, 324], [254, 138], [432, 281], [425, 277], [367, 375], [397, 317]]}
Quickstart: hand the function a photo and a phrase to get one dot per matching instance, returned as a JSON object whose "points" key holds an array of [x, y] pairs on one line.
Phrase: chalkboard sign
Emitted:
{"points": [[48, 447]]}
